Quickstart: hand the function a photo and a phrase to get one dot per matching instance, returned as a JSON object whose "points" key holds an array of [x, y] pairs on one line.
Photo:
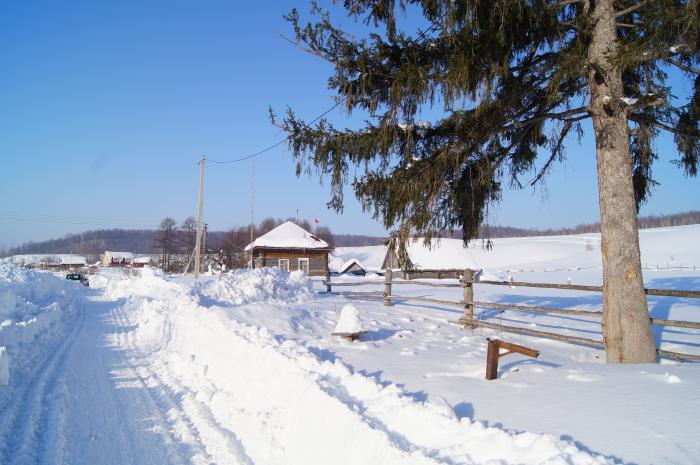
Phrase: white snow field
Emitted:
{"points": [[242, 369]]}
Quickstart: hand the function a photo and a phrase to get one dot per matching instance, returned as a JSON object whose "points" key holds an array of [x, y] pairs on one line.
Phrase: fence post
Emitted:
{"points": [[387, 287], [468, 289], [492, 359], [328, 281]]}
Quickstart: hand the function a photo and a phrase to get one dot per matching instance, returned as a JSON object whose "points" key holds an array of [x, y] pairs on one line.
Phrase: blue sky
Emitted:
{"points": [[107, 106]]}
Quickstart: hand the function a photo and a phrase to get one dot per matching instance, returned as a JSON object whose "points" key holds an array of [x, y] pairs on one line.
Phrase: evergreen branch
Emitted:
{"points": [[557, 150], [564, 115], [645, 120], [631, 9], [682, 66]]}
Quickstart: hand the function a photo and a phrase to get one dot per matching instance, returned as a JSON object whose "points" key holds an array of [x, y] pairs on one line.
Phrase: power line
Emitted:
{"points": [[421, 35], [267, 149]]}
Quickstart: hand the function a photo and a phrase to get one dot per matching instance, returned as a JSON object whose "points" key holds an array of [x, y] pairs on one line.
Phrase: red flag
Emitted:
{"points": [[316, 221]]}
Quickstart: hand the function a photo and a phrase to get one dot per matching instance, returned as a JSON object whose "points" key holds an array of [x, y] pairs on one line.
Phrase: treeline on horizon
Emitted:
{"points": [[146, 241]]}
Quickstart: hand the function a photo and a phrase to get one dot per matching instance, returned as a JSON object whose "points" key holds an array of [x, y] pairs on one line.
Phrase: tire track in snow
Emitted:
{"points": [[185, 411], [35, 413], [171, 417]]}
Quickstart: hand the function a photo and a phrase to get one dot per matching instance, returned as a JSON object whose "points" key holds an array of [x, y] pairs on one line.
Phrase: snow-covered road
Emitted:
{"points": [[86, 402]]}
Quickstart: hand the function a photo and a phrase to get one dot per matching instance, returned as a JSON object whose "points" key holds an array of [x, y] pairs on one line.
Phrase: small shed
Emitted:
{"points": [[117, 258], [444, 258], [291, 248], [354, 267]]}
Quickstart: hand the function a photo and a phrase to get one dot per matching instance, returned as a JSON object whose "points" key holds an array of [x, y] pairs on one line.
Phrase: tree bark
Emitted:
{"points": [[626, 326]]}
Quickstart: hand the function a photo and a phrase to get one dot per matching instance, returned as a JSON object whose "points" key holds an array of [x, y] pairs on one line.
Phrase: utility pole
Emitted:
{"points": [[204, 242], [198, 241], [252, 192]]}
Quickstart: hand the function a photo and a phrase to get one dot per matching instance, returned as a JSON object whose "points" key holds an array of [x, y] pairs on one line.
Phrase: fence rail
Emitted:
{"points": [[468, 304]]}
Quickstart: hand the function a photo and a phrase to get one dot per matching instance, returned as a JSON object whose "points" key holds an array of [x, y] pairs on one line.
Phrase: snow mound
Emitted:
{"points": [[241, 287], [35, 308], [349, 321], [485, 275]]}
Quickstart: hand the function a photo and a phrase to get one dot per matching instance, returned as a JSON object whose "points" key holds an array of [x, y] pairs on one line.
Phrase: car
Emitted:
{"points": [[78, 277]]}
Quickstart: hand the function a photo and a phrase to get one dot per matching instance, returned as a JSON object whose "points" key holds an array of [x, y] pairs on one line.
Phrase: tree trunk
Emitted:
{"points": [[626, 325]]}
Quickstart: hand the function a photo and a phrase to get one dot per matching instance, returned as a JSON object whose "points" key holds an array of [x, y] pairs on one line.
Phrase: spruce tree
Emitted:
{"points": [[514, 78]]}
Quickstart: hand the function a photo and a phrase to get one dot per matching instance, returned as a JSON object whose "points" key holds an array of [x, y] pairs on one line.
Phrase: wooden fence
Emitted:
{"points": [[468, 304]]}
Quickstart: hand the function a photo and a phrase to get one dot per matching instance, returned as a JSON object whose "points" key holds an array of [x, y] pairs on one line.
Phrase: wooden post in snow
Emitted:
{"points": [[468, 289], [493, 354], [328, 280], [387, 287]]}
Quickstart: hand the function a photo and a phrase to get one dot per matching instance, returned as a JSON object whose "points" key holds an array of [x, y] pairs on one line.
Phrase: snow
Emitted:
{"points": [[349, 321], [371, 257], [284, 404], [144, 260], [258, 285], [35, 308], [49, 259], [289, 235], [119, 255], [442, 254], [242, 368]]}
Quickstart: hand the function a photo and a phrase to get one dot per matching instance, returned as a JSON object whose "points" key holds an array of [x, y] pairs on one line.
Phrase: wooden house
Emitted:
{"points": [[291, 248]]}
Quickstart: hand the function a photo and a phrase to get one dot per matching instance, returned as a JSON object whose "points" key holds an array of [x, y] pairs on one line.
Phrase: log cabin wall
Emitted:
{"points": [[318, 259]]}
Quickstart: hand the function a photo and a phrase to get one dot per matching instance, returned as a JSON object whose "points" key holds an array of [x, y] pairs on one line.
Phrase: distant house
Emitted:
{"points": [[444, 258], [354, 267], [352, 259], [117, 258], [291, 248], [140, 262]]}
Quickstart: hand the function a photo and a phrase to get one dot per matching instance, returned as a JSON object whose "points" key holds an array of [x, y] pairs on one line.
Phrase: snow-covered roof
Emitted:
{"points": [[120, 255], [146, 259], [49, 259], [370, 257], [353, 261], [443, 254], [289, 235], [73, 260]]}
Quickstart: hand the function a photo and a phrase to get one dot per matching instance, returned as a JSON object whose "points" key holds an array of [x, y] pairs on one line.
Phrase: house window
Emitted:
{"points": [[284, 264], [304, 265]]}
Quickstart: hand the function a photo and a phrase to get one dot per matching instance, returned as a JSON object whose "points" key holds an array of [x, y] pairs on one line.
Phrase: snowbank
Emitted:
{"points": [[258, 285], [35, 307], [284, 404]]}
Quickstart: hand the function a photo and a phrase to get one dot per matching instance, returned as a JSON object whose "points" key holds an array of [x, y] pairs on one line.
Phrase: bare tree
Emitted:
{"points": [[165, 240], [188, 234]]}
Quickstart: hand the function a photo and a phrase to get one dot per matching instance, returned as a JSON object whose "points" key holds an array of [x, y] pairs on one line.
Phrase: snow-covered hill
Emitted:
{"points": [[660, 247]]}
